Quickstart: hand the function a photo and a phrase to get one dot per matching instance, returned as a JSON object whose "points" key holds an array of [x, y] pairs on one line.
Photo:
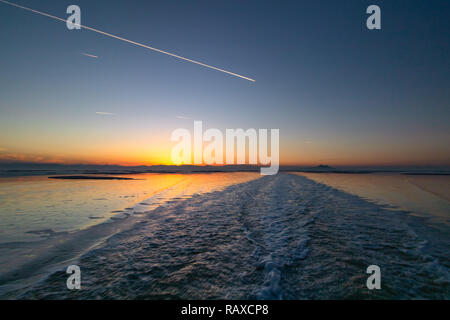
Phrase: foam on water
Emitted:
{"points": [[76, 225], [277, 237]]}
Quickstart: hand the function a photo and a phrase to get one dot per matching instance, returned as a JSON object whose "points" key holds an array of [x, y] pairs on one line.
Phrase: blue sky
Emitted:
{"points": [[338, 92]]}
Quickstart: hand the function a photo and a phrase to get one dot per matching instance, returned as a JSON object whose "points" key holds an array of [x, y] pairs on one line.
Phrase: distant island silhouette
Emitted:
{"points": [[89, 178]]}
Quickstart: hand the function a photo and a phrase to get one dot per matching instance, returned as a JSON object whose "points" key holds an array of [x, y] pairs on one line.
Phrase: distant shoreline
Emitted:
{"points": [[14, 170], [89, 178]]}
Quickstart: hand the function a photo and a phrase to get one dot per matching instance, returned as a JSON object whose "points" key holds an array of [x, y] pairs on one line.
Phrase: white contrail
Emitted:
{"points": [[89, 55], [129, 41], [104, 113]]}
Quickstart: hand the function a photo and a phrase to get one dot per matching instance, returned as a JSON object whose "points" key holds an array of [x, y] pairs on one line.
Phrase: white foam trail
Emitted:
{"points": [[130, 41]]}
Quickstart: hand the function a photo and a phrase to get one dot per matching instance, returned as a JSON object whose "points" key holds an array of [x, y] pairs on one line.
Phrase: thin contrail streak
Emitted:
{"points": [[104, 113], [129, 41], [89, 55]]}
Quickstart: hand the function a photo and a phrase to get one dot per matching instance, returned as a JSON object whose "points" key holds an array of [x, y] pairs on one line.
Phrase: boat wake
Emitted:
{"points": [[277, 237]]}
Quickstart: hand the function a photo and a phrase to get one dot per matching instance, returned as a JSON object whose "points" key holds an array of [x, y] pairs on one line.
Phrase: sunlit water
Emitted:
{"points": [[33, 207], [37, 212], [225, 236], [422, 195]]}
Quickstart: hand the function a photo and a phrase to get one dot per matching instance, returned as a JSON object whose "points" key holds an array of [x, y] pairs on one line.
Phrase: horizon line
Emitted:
{"points": [[331, 166]]}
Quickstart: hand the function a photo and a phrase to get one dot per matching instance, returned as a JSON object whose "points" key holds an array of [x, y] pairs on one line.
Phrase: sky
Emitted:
{"points": [[340, 94]]}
